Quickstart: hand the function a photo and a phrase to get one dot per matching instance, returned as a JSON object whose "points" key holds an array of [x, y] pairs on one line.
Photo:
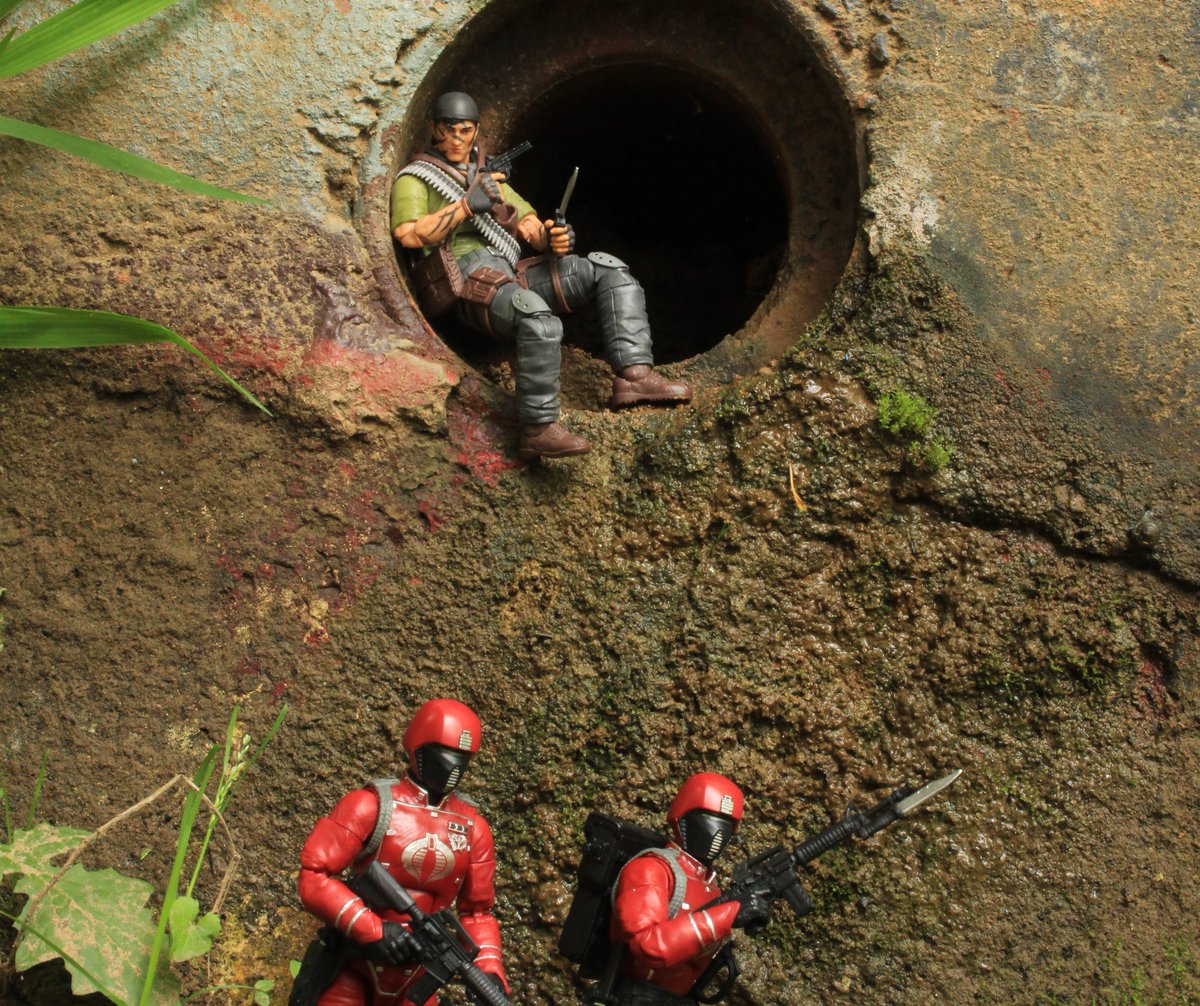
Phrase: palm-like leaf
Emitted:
{"points": [[115, 159], [80, 24], [65, 328]]}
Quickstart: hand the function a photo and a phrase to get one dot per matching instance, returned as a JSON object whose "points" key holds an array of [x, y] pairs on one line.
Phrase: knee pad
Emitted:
{"points": [[528, 304], [606, 261], [610, 271]]}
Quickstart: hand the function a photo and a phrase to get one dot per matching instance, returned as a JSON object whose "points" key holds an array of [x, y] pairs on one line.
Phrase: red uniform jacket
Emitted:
{"points": [[441, 854], [669, 948]]}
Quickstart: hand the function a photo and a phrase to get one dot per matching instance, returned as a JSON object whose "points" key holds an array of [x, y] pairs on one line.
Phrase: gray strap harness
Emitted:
{"points": [[678, 891], [446, 187], [383, 788]]}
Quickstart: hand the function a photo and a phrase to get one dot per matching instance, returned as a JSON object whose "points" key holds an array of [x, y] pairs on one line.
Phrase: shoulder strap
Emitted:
{"points": [[444, 166], [679, 880], [435, 175], [383, 788]]}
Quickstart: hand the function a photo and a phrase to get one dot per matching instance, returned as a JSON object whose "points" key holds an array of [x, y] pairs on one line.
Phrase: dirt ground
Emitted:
{"points": [[766, 584]]}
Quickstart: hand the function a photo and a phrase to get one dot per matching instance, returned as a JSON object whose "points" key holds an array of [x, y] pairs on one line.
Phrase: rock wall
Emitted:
{"points": [[773, 583]]}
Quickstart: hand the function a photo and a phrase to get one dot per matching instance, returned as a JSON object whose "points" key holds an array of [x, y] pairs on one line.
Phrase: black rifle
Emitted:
{"points": [[502, 163], [441, 945], [772, 874]]}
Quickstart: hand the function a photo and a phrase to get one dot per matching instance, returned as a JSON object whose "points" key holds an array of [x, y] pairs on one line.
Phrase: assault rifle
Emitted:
{"points": [[772, 874], [502, 163], [441, 945]]}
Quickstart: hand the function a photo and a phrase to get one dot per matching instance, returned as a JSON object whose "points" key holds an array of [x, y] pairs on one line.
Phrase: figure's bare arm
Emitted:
{"points": [[433, 228], [532, 231]]}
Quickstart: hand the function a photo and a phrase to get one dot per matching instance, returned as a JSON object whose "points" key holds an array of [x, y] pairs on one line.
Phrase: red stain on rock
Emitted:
{"points": [[227, 564], [479, 436], [1151, 700], [428, 510]]}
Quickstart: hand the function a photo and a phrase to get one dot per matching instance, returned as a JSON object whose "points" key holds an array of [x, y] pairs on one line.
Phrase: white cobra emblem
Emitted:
{"points": [[427, 859]]}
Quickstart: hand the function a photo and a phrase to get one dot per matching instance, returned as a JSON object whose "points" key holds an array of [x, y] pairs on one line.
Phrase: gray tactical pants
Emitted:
{"points": [[529, 316]]}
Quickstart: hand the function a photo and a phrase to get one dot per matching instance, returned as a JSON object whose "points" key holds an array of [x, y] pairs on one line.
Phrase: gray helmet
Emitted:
{"points": [[454, 106]]}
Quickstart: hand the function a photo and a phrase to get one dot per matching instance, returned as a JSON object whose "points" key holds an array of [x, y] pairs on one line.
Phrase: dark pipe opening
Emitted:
{"points": [[718, 155], [676, 180]]}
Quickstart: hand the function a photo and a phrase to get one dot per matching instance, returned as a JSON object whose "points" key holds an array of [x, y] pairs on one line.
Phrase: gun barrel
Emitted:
{"points": [[864, 825]]}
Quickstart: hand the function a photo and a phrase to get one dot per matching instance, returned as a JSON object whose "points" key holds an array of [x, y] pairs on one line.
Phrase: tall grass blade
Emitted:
{"points": [[104, 990], [37, 792], [274, 729], [187, 821], [228, 795], [80, 24], [116, 159], [67, 328], [7, 7], [6, 807], [5, 41]]}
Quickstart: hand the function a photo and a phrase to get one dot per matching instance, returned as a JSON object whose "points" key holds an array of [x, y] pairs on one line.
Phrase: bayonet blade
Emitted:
{"points": [[925, 792], [562, 207]]}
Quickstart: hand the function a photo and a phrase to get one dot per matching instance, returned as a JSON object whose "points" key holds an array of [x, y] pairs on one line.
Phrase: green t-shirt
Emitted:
{"points": [[413, 199]]}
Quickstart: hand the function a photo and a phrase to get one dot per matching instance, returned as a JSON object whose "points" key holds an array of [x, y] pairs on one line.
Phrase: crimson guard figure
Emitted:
{"points": [[432, 842], [663, 915], [468, 226]]}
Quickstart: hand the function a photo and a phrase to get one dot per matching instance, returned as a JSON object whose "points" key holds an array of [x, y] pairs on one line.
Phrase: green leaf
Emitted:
{"points": [[64, 328], [114, 158], [79, 25], [26, 928], [293, 967], [4, 42], [31, 851], [191, 936], [98, 922], [7, 7]]}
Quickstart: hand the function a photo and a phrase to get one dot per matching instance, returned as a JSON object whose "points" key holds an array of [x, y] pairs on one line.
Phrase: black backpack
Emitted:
{"points": [[610, 843]]}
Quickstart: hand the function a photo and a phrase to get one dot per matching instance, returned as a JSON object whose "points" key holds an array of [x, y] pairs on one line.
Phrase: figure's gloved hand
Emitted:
{"points": [[562, 237], [396, 946], [483, 194], [753, 912]]}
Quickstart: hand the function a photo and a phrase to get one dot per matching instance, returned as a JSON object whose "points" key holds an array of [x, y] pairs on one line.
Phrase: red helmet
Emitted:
{"points": [[706, 791], [446, 722], [705, 814]]}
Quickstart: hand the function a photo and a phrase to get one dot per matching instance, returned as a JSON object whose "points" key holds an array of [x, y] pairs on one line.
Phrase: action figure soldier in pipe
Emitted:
{"points": [[468, 227]]}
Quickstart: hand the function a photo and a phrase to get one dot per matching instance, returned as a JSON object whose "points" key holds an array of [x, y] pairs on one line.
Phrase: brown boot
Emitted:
{"points": [[639, 385], [549, 440]]}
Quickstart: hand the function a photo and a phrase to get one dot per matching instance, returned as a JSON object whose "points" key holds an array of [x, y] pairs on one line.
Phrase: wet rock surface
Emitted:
{"points": [[765, 584], [769, 583]]}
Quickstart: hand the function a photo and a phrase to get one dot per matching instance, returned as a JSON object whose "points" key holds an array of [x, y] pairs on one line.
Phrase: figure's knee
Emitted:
{"points": [[611, 273], [511, 306], [534, 319], [347, 989]]}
